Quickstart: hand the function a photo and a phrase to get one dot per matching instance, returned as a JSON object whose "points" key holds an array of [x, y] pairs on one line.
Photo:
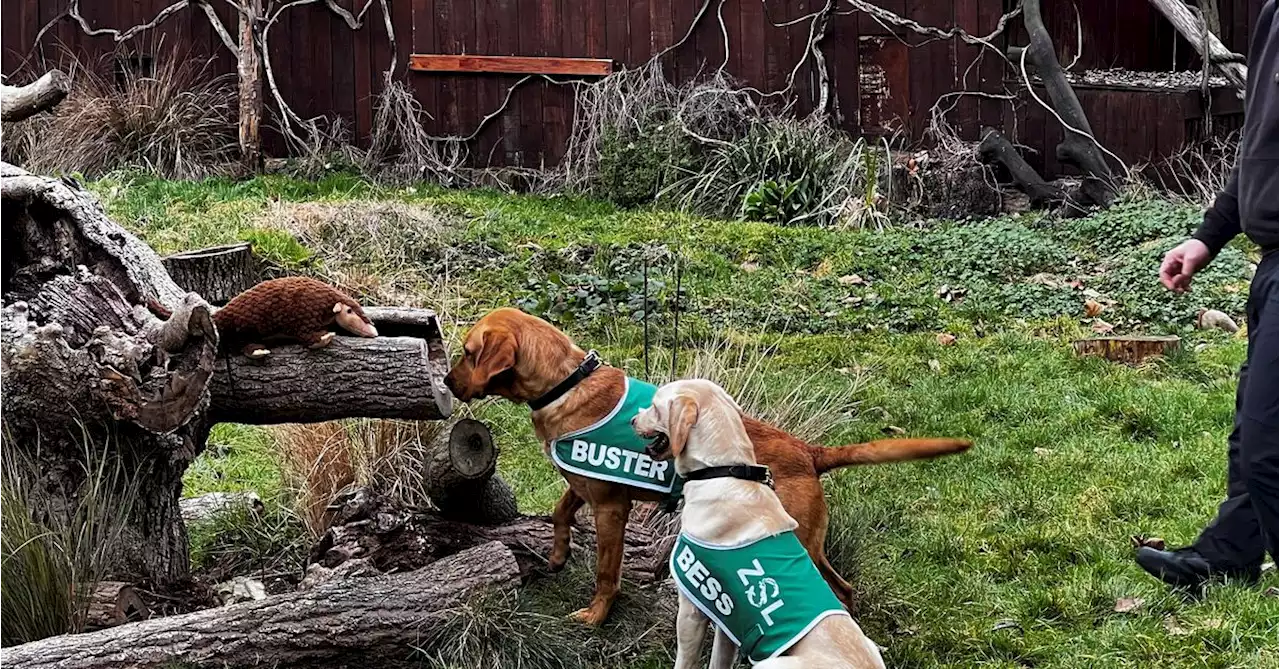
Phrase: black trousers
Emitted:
{"points": [[1246, 525]]}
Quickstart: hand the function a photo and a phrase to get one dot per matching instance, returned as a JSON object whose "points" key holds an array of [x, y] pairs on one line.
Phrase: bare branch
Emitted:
{"points": [[218, 27], [73, 10], [885, 16]]}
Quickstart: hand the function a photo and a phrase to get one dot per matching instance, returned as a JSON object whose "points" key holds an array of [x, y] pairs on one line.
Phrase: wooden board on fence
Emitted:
{"points": [[1127, 349], [598, 67]]}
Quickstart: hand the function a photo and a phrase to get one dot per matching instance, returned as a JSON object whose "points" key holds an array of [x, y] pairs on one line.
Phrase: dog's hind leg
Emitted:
{"points": [[841, 587], [562, 521], [691, 630], [611, 523], [723, 651]]}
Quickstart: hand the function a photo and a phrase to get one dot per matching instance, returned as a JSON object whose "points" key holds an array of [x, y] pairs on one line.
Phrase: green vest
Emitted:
{"points": [[610, 450], [765, 594]]}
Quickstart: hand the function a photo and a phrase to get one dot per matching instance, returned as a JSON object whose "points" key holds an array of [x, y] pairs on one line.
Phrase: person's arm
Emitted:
{"points": [[1222, 220], [1221, 223]]}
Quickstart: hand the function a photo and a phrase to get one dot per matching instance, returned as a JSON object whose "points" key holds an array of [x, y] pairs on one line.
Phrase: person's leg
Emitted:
{"points": [[1233, 544], [1259, 445], [1233, 538]]}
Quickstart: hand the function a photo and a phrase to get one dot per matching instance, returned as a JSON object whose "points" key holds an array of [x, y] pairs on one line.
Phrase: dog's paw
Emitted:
{"points": [[588, 616], [557, 562]]}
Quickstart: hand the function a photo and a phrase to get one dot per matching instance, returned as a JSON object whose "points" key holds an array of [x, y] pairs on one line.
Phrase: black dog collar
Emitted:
{"points": [[589, 364], [757, 473]]}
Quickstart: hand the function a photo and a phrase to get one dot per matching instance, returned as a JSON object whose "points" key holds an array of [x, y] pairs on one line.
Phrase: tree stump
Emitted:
{"points": [[367, 622], [1127, 349], [217, 274], [460, 473], [114, 603]]}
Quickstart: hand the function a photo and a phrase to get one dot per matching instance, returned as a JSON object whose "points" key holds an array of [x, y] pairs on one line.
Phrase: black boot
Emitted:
{"points": [[1185, 568]]}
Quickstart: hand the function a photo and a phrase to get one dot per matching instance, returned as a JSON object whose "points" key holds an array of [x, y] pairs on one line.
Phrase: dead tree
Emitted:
{"points": [[371, 621], [1079, 146], [84, 362]]}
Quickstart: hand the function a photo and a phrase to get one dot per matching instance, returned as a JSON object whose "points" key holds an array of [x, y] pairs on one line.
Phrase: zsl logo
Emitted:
{"points": [[761, 591]]}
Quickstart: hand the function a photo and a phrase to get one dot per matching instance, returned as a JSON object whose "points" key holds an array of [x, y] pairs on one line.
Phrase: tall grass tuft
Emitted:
{"points": [[321, 460], [177, 120], [52, 556]]}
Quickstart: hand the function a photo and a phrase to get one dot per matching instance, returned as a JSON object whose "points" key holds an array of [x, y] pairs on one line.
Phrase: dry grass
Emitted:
{"points": [[321, 460], [375, 250], [1200, 171], [178, 121], [401, 150]]}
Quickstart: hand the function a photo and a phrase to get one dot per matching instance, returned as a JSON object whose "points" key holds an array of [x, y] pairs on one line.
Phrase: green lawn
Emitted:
{"points": [[1013, 555]]}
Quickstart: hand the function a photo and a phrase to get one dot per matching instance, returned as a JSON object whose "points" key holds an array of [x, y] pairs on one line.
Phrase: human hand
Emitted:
{"points": [[1182, 262]]}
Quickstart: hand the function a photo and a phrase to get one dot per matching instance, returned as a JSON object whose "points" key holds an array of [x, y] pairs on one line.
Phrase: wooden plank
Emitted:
{"points": [[533, 15], [556, 104], [342, 43], [639, 34], [749, 48], [426, 87], [462, 113], [487, 40], [508, 125], [661, 32], [297, 57], [510, 64], [322, 60], [841, 50]]}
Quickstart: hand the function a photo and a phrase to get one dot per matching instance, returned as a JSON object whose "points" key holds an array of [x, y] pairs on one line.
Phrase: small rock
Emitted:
{"points": [[935, 366], [1042, 452], [1212, 318], [750, 266], [852, 299], [240, 589], [851, 280]]}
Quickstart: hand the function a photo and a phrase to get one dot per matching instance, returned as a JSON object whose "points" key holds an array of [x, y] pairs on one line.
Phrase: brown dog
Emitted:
{"points": [[511, 354]]}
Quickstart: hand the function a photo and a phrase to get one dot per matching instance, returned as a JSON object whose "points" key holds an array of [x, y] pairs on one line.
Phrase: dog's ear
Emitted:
{"points": [[682, 413], [497, 354]]}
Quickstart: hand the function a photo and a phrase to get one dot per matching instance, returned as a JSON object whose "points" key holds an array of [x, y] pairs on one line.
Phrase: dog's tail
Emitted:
{"points": [[884, 450]]}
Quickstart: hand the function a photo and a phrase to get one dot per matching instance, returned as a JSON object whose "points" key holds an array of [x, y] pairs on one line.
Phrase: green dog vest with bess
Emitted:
{"points": [[611, 451], [765, 595]]}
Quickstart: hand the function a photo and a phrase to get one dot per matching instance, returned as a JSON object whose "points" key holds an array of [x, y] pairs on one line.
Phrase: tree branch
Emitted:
{"points": [[21, 102]]}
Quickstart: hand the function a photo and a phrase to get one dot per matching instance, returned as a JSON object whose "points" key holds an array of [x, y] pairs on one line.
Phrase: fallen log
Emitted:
{"points": [[217, 274], [371, 622], [21, 102], [460, 468], [370, 529], [384, 377], [114, 603], [208, 505], [1127, 349]]}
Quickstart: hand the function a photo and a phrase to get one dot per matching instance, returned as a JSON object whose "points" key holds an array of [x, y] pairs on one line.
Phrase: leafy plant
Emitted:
{"points": [[635, 166], [994, 250], [776, 203], [278, 247], [615, 286]]}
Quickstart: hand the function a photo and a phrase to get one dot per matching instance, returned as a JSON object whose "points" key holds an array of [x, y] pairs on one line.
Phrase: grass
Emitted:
{"points": [[1012, 555]]}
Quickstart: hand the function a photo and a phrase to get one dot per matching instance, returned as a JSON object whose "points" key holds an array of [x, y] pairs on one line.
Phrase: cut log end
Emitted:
{"points": [[1127, 349], [114, 603], [459, 470], [471, 450]]}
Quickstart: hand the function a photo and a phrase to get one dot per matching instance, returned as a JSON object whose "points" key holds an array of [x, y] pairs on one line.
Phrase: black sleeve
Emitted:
{"points": [[1222, 220]]}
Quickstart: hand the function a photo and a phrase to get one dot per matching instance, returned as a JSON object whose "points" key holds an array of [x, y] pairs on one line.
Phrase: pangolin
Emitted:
{"points": [[292, 309]]}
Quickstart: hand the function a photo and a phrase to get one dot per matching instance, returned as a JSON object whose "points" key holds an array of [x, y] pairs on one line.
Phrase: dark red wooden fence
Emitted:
{"points": [[885, 81]]}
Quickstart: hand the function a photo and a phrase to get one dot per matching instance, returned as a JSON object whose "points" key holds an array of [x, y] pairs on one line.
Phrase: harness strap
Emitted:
{"points": [[589, 364]]}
